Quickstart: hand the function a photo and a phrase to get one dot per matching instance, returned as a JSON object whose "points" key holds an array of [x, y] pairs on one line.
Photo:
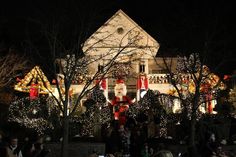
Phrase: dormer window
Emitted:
{"points": [[100, 68]]}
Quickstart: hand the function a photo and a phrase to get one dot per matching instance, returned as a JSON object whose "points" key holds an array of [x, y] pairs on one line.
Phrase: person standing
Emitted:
{"points": [[38, 149], [2, 145], [13, 150], [1, 140], [145, 150]]}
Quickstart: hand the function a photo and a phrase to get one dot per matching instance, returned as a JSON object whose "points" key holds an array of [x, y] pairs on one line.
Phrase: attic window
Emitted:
{"points": [[120, 30]]}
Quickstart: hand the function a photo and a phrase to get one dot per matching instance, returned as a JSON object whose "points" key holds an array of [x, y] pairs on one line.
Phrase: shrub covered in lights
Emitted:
{"points": [[33, 114], [97, 112]]}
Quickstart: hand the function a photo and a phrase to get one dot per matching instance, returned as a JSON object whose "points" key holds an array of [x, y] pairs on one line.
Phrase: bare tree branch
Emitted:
{"points": [[11, 66]]}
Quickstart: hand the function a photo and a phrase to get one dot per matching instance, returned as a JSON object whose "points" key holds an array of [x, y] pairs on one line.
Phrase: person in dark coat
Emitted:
{"points": [[38, 149]]}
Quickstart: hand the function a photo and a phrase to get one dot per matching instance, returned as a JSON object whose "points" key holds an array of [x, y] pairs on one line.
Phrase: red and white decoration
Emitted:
{"points": [[121, 102], [142, 85], [103, 83]]}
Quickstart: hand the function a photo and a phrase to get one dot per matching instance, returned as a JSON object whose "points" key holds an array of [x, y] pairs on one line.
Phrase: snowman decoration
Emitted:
{"points": [[120, 103]]}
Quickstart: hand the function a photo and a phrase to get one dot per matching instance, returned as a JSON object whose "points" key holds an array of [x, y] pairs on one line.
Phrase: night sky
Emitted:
{"points": [[180, 26]]}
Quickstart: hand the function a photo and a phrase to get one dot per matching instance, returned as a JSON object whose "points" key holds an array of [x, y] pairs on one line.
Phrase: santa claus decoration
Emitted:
{"points": [[120, 103]]}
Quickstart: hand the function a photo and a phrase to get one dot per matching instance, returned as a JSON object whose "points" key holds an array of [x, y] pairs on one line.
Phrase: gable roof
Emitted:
{"points": [[36, 74], [120, 32]]}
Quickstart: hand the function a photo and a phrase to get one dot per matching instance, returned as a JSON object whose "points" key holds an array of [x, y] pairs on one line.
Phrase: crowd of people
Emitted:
{"points": [[11, 147], [130, 140]]}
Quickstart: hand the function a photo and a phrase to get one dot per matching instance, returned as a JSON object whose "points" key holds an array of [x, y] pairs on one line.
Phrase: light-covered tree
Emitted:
{"points": [[192, 82]]}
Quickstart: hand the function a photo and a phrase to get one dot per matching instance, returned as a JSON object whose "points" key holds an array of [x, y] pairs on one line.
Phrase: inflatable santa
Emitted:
{"points": [[120, 104]]}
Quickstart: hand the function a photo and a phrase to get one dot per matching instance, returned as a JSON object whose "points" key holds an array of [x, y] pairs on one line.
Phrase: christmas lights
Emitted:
{"points": [[30, 114], [34, 78]]}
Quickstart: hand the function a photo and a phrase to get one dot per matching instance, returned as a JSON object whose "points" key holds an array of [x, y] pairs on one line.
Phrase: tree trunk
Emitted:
{"points": [[193, 148], [64, 146]]}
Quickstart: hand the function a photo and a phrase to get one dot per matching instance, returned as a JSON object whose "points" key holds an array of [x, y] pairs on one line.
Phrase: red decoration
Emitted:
{"points": [[227, 77], [18, 79], [209, 104], [54, 81], [205, 87], [120, 107], [34, 93], [142, 82], [102, 83], [121, 102], [120, 81]]}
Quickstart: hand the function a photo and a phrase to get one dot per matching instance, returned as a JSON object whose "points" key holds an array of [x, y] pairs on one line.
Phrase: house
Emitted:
{"points": [[146, 71], [134, 51], [120, 31]]}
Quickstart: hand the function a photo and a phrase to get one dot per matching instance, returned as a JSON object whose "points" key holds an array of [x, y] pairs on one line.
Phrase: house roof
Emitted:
{"points": [[118, 33]]}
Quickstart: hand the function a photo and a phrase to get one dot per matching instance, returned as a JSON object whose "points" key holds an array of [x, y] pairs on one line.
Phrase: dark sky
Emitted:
{"points": [[180, 26]]}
